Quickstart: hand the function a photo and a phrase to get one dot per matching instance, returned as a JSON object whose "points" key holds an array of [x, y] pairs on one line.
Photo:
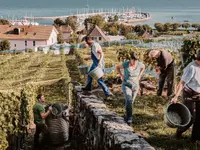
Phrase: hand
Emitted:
{"points": [[174, 100], [158, 72], [50, 108], [100, 65], [86, 59], [122, 77]]}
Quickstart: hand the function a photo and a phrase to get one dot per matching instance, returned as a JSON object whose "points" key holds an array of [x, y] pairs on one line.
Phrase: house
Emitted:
{"points": [[97, 35], [66, 31], [27, 36]]}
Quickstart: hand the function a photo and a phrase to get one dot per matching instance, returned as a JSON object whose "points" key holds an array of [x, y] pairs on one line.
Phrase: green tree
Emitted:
{"points": [[96, 20], [110, 19], [146, 27], [175, 26], [124, 30], [196, 26], [4, 45], [167, 27], [58, 22], [4, 22], [72, 22], [113, 31], [116, 18], [186, 25], [159, 27], [74, 38], [189, 49], [60, 38]]}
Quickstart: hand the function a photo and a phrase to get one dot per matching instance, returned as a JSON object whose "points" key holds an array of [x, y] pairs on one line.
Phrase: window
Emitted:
{"points": [[33, 43], [25, 43], [100, 38]]}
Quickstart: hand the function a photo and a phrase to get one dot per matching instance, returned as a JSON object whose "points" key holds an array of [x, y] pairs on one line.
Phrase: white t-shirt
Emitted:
{"points": [[191, 76], [96, 47]]}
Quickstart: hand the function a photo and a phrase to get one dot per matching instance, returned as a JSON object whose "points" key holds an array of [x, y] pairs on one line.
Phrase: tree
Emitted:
{"points": [[175, 26], [113, 31], [186, 25], [58, 22], [196, 26], [167, 27], [96, 20], [189, 49], [60, 38], [4, 45], [146, 27], [4, 22], [87, 22], [74, 38], [72, 22], [116, 18], [124, 30], [110, 19], [159, 27]]}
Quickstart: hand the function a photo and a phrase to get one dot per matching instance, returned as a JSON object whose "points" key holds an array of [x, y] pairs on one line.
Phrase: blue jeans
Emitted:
{"points": [[100, 82], [130, 95]]}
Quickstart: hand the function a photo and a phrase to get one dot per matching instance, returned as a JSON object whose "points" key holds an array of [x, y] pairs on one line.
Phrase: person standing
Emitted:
{"points": [[133, 69], [39, 119], [165, 70], [97, 57], [189, 85]]}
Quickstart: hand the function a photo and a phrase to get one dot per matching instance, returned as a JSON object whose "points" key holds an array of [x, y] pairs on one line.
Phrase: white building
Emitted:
{"points": [[22, 37]]}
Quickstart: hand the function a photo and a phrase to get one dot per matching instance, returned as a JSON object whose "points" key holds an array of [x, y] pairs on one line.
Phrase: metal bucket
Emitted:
{"points": [[83, 69], [177, 115], [96, 73]]}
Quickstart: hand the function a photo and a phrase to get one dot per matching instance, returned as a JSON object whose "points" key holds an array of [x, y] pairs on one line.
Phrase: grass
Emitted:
{"points": [[148, 112]]}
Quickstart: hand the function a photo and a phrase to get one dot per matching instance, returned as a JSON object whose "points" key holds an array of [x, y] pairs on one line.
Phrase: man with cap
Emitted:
{"points": [[165, 70]]}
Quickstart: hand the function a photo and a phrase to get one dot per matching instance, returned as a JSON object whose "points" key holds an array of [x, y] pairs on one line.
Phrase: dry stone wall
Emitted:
{"points": [[102, 129]]}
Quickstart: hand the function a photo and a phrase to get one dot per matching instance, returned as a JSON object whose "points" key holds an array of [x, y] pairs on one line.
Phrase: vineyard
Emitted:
{"points": [[148, 109], [23, 76]]}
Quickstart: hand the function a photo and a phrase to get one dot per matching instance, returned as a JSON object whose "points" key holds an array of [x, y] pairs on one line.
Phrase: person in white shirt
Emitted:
{"points": [[98, 60], [190, 87]]}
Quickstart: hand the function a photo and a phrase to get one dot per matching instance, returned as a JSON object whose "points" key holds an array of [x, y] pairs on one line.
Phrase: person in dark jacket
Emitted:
{"points": [[165, 70]]}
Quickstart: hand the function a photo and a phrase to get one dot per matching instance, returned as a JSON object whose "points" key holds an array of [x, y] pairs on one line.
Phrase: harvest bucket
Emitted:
{"points": [[177, 115], [96, 73], [83, 69]]}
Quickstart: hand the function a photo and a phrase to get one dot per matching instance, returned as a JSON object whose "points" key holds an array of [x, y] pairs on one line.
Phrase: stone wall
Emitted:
{"points": [[102, 129]]}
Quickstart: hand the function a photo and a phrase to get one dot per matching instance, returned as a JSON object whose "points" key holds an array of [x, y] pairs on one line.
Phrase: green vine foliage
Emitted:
{"points": [[16, 112], [189, 50], [124, 54]]}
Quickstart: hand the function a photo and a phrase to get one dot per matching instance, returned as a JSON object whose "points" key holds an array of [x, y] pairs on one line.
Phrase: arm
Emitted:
{"points": [[179, 89], [100, 57], [141, 71], [118, 67], [44, 115]]}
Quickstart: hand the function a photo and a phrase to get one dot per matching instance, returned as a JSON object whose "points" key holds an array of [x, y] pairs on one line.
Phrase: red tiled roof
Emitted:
{"points": [[65, 29], [26, 32], [98, 32]]}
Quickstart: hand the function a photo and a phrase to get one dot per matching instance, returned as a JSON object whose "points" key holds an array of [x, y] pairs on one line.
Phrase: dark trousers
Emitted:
{"points": [[169, 75], [40, 128], [195, 116]]}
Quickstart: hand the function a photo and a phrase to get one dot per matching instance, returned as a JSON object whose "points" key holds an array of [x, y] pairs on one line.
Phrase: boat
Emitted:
{"points": [[22, 22]]}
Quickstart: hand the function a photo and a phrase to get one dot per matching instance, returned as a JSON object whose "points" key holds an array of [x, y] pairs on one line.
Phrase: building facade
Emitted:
{"points": [[24, 37]]}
